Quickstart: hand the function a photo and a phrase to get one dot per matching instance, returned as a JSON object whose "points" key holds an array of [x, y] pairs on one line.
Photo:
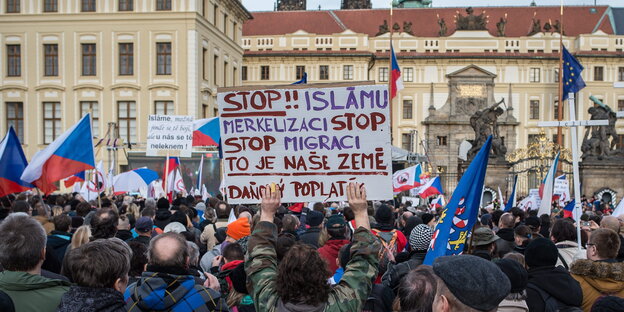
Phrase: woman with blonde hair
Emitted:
{"points": [[80, 237]]}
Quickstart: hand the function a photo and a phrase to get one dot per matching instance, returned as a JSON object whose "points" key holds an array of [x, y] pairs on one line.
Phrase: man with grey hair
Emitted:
{"points": [[22, 252], [613, 223], [167, 285]]}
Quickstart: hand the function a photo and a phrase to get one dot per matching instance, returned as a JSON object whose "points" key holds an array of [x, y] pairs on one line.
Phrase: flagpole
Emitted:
{"points": [[391, 100], [165, 175], [560, 92]]}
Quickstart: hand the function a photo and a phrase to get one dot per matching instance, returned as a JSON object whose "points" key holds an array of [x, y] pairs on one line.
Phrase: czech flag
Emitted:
{"points": [[568, 210], [432, 187], [406, 179], [12, 165], [438, 202], [397, 80], [78, 177], [546, 188], [169, 176], [134, 180], [206, 132], [69, 154]]}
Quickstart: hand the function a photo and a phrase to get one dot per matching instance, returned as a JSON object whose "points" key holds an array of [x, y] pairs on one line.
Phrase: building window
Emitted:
{"points": [[50, 6], [556, 111], [533, 138], [13, 6], [215, 65], [620, 73], [234, 31], [50, 57], [408, 74], [126, 59], [234, 73], [163, 5], [407, 109], [126, 5], [534, 109], [225, 75], [299, 71], [442, 140], [598, 73], [406, 141], [215, 12], [264, 72], [91, 107], [244, 73], [204, 110], [323, 72], [15, 118], [204, 64], [534, 75], [163, 58], [88, 59], [347, 72], [126, 112], [164, 108], [556, 73], [383, 74], [51, 121], [14, 60], [224, 21], [87, 5]]}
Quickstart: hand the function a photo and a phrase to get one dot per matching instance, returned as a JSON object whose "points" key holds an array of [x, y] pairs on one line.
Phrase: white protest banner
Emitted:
{"points": [[310, 140], [173, 134]]}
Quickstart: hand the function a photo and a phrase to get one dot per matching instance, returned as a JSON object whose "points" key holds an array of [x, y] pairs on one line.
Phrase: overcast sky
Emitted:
{"points": [[267, 5]]}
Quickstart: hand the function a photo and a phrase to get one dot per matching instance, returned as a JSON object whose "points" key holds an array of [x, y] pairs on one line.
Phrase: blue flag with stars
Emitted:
{"points": [[572, 80]]}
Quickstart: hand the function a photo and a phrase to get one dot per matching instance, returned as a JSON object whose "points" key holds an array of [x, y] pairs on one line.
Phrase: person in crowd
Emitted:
{"points": [[384, 229], [99, 270], [137, 261], [613, 223], [518, 214], [22, 206], [410, 224], [290, 224], [600, 273], [57, 243], [468, 283], [161, 219], [22, 251], [222, 266], [143, 228], [403, 220], [104, 224], [549, 287], [239, 299], [417, 290], [518, 278], [428, 219], [123, 228], [167, 284], [237, 231], [534, 223], [516, 256], [522, 237], [333, 237], [484, 243], [314, 219], [283, 288], [608, 304], [206, 260], [506, 233], [419, 241], [193, 267], [545, 225], [563, 234]]}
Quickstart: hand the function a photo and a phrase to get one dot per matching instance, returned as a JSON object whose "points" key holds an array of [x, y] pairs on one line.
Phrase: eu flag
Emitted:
{"points": [[304, 79], [460, 214], [572, 80]]}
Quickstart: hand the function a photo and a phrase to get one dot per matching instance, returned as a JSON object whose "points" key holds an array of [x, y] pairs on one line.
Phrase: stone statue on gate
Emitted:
{"points": [[600, 141], [383, 28], [471, 21], [485, 123]]}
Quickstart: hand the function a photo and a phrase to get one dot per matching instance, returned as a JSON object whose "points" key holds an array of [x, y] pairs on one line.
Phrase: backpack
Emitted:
{"points": [[551, 304], [389, 240]]}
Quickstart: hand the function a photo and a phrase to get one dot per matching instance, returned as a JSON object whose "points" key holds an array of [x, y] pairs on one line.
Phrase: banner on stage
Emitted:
{"points": [[172, 134], [310, 140]]}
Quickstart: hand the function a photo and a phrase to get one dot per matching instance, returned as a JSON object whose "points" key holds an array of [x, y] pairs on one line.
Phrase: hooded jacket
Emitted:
{"points": [[32, 292], [569, 252], [329, 252], [506, 243], [87, 299], [162, 218], [170, 292], [557, 282], [598, 278], [56, 246]]}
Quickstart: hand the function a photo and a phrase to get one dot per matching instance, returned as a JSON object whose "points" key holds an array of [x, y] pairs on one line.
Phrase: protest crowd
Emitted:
{"points": [[62, 253]]}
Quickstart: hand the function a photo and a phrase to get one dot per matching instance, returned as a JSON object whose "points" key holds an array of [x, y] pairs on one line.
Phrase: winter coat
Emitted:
{"points": [[87, 299], [32, 292], [141, 239], [506, 243], [598, 278], [329, 252], [557, 282], [171, 292], [124, 235], [396, 272], [569, 252], [311, 237], [509, 305], [206, 260], [56, 247], [162, 218]]}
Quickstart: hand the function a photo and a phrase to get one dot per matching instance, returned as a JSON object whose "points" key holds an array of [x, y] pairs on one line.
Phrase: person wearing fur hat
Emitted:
{"points": [[600, 273]]}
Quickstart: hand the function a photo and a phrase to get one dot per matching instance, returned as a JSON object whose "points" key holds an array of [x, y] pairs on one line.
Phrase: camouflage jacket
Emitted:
{"points": [[348, 295]]}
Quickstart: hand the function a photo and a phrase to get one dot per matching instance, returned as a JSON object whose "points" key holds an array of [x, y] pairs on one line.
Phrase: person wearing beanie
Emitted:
{"points": [[163, 215], [239, 298], [384, 218], [334, 236], [143, 228], [428, 219], [608, 304], [518, 277], [311, 236], [547, 280], [535, 224], [237, 230], [419, 241], [468, 283]]}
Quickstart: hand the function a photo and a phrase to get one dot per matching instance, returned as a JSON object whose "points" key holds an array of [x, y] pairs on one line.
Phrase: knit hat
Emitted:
{"points": [[476, 282], [483, 236], [200, 206], [220, 234], [162, 203], [239, 278], [517, 274], [383, 215], [314, 218], [541, 252], [533, 222], [336, 221], [175, 227], [420, 237], [426, 217], [608, 304], [238, 229], [144, 224]]}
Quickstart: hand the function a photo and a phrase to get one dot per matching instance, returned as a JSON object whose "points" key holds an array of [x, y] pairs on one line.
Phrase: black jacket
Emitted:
{"points": [[162, 218], [55, 250], [396, 272], [311, 237], [506, 243], [141, 239], [124, 235], [557, 282], [86, 299]]}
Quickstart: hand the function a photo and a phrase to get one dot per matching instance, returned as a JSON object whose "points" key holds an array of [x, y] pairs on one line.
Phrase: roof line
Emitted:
{"points": [[337, 19], [605, 14]]}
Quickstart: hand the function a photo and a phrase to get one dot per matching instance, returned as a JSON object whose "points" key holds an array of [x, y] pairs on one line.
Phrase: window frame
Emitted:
{"points": [[16, 120], [244, 73], [442, 140], [13, 6], [127, 120], [54, 119], [407, 113], [621, 73], [533, 110], [263, 75], [409, 74], [88, 59], [50, 6], [94, 109], [406, 143], [299, 71], [347, 72], [383, 74], [126, 58], [598, 73], [168, 107], [88, 5], [323, 72], [14, 60], [125, 5], [50, 60], [165, 68], [163, 5], [535, 74]]}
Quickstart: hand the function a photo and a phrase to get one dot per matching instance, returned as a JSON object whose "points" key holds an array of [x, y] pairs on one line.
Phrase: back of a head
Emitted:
{"points": [[610, 222], [62, 222], [507, 221], [99, 264], [289, 223], [417, 290], [384, 215], [139, 258], [148, 212], [541, 252], [83, 209], [563, 230], [22, 244], [606, 242], [233, 251], [319, 207], [21, 206], [193, 250], [81, 236], [294, 287], [168, 250], [104, 224], [496, 215]]}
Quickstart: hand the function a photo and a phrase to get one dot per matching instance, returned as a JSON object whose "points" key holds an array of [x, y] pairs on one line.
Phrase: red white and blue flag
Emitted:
{"points": [[395, 76], [78, 177], [169, 176], [432, 187], [406, 179], [438, 202], [134, 180], [568, 210], [206, 132], [69, 154], [12, 165], [546, 188]]}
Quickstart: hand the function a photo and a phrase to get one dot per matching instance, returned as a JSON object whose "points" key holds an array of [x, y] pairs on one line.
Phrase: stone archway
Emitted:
{"points": [[607, 195]]}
